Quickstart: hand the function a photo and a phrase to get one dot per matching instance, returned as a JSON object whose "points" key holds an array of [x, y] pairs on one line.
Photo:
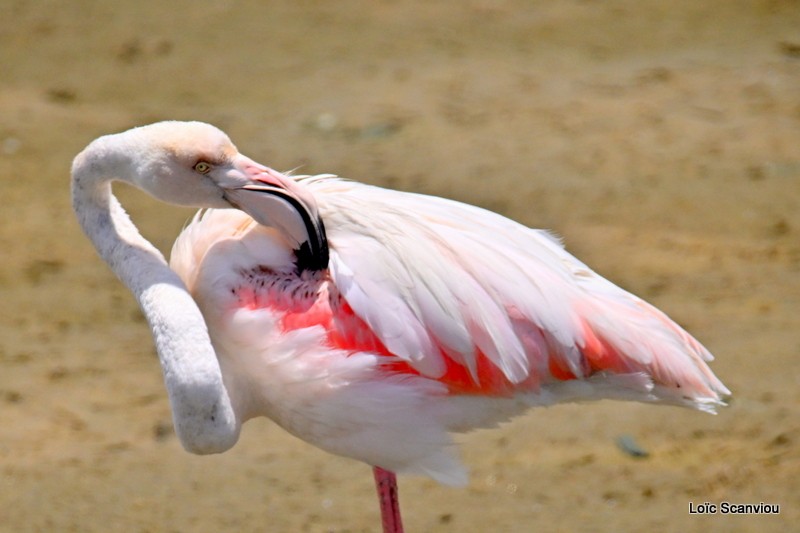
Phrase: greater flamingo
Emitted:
{"points": [[368, 322]]}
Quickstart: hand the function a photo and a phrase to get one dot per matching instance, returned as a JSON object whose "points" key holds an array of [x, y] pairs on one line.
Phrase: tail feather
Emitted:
{"points": [[625, 335]]}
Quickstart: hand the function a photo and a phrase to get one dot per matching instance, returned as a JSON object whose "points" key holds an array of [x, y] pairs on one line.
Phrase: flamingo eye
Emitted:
{"points": [[202, 167]]}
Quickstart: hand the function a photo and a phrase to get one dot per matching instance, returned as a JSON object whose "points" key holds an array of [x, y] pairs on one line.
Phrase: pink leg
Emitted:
{"points": [[386, 483]]}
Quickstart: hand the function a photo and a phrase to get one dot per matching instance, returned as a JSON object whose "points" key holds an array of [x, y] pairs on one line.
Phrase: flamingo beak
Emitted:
{"points": [[276, 200]]}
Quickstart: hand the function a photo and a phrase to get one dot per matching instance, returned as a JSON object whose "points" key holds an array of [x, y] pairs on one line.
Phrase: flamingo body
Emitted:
{"points": [[433, 317]]}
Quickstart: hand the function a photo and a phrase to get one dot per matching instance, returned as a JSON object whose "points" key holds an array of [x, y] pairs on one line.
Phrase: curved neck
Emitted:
{"points": [[204, 417]]}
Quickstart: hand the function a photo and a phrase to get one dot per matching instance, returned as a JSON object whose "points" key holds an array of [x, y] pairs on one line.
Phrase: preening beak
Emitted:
{"points": [[276, 200]]}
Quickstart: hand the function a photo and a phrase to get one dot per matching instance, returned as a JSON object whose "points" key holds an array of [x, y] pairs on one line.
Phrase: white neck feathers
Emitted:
{"points": [[204, 417]]}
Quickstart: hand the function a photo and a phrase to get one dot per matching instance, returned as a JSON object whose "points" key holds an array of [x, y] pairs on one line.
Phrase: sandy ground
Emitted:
{"points": [[660, 139]]}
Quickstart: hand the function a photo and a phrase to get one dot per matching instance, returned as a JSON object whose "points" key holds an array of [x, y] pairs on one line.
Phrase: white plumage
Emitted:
{"points": [[432, 279]]}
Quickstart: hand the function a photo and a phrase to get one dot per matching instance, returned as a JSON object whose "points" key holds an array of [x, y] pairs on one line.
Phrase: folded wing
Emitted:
{"points": [[490, 306]]}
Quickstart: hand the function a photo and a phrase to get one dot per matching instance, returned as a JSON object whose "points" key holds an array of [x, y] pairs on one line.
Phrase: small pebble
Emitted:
{"points": [[326, 122], [628, 445], [11, 146]]}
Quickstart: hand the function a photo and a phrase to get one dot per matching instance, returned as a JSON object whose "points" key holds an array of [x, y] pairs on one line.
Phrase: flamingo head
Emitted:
{"points": [[196, 164]]}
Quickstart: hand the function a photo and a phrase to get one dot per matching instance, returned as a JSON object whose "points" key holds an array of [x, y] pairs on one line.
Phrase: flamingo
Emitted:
{"points": [[371, 323]]}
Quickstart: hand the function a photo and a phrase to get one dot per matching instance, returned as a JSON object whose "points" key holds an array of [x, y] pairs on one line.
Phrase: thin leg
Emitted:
{"points": [[386, 483]]}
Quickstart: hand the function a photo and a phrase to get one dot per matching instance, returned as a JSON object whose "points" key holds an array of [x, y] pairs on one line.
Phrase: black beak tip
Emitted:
{"points": [[313, 255]]}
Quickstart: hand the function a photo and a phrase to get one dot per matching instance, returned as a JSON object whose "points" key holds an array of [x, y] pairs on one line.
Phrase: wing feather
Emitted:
{"points": [[442, 283]]}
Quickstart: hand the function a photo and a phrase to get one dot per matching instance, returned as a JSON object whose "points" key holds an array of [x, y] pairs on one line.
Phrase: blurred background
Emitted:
{"points": [[661, 140]]}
